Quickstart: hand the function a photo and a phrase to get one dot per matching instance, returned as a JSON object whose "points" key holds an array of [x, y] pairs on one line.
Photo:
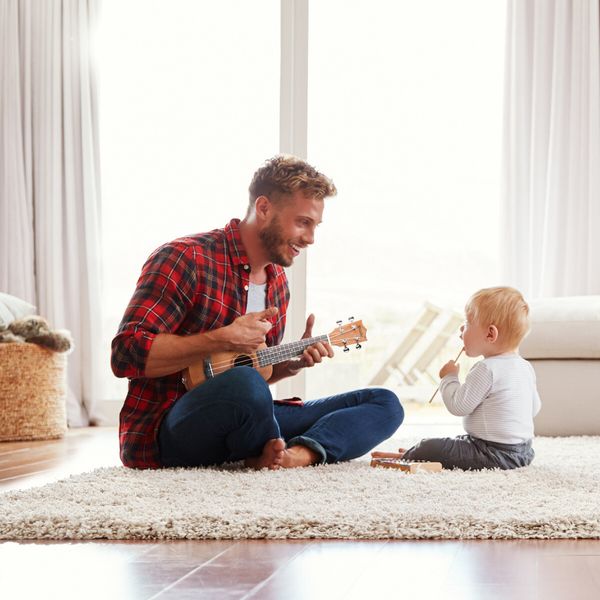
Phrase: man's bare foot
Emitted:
{"points": [[271, 457], [276, 455], [299, 456]]}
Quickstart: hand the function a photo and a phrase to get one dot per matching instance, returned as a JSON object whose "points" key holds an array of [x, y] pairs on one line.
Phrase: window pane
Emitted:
{"points": [[405, 110], [189, 107]]}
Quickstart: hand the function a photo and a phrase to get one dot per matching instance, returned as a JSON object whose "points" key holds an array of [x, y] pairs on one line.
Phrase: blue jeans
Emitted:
{"points": [[232, 416]]}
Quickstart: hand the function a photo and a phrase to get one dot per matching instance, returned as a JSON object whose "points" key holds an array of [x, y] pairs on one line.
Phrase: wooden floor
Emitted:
{"points": [[306, 569]]}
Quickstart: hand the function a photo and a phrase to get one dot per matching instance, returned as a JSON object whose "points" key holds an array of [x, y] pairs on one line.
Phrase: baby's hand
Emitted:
{"points": [[450, 368]]}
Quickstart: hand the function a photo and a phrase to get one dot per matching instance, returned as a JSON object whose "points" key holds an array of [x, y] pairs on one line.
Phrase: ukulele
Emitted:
{"points": [[353, 332]]}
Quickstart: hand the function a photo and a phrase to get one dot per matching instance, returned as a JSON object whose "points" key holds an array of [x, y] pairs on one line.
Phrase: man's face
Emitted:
{"points": [[291, 228]]}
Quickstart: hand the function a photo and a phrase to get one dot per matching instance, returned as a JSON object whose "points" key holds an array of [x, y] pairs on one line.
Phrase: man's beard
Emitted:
{"points": [[273, 240]]}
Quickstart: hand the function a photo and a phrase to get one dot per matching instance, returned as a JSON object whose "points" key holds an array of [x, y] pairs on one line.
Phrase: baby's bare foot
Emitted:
{"points": [[271, 457]]}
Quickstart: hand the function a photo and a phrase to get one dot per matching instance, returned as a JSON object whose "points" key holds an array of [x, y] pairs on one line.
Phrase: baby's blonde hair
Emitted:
{"points": [[503, 307]]}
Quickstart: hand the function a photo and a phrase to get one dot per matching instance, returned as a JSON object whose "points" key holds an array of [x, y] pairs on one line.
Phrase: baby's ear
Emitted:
{"points": [[492, 334]]}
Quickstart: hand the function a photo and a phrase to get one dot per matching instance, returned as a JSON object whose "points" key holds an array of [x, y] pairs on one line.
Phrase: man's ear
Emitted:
{"points": [[492, 334], [262, 208]]}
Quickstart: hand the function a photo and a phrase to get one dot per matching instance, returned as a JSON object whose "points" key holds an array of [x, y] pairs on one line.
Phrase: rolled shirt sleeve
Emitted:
{"points": [[163, 296]]}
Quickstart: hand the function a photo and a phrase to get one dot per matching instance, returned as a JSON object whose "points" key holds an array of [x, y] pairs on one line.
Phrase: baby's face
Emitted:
{"points": [[473, 336]]}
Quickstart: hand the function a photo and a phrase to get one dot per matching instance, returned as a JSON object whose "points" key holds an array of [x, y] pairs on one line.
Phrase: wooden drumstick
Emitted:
{"points": [[438, 387]]}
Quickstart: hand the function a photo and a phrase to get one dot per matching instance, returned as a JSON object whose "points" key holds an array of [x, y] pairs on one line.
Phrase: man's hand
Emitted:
{"points": [[315, 353], [450, 368], [249, 331], [311, 355], [171, 353]]}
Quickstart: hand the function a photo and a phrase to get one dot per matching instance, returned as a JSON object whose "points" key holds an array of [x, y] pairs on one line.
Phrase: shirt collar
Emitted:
{"points": [[238, 253]]}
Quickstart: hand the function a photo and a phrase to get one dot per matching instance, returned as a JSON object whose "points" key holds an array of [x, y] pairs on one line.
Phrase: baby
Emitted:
{"points": [[499, 397]]}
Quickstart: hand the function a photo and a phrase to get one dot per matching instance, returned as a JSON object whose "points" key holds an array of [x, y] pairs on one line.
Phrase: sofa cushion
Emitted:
{"points": [[567, 327], [570, 397]]}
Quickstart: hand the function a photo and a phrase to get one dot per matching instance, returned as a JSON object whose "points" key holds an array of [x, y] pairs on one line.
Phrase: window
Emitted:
{"points": [[404, 103], [405, 114], [189, 98]]}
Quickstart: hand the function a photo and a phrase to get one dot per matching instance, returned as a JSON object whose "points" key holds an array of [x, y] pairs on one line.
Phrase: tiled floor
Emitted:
{"points": [[302, 569]]}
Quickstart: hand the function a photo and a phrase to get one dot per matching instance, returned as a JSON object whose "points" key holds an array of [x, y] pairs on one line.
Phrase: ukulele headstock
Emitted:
{"points": [[346, 334]]}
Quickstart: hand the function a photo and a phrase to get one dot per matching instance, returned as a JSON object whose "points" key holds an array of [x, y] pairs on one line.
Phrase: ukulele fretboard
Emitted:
{"points": [[278, 354]]}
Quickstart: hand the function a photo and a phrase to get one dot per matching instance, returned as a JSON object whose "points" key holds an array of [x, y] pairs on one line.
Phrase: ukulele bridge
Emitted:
{"points": [[208, 370]]}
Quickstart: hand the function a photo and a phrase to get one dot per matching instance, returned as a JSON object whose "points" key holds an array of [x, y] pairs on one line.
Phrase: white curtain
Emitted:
{"points": [[49, 182], [552, 147]]}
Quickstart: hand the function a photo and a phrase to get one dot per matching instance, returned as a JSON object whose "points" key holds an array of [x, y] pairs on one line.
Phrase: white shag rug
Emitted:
{"points": [[558, 496]]}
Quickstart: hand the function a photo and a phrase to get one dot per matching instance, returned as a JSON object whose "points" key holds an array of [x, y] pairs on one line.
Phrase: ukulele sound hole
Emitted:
{"points": [[242, 360]]}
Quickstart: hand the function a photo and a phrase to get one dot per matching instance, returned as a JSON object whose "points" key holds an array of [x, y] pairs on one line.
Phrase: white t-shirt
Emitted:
{"points": [[257, 297], [497, 401]]}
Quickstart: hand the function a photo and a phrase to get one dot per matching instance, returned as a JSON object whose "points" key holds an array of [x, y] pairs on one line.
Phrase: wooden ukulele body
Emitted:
{"points": [[219, 362]]}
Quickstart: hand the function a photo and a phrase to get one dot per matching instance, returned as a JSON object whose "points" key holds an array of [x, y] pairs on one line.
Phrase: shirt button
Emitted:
{"points": [[246, 287], [246, 267]]}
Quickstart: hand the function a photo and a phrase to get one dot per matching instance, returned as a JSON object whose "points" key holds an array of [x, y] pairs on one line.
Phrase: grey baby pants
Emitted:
{"points": [[471, 453]]}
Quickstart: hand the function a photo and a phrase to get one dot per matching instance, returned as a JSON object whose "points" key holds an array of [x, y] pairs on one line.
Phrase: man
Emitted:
{"points": [[226, 290]]}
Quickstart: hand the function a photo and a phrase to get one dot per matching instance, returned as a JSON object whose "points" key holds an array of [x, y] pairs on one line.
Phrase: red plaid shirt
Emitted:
{"points": [[190, 285]]}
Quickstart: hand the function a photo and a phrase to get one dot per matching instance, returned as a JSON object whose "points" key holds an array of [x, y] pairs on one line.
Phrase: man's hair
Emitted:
{"points": [[285, 174], [503, 307]]}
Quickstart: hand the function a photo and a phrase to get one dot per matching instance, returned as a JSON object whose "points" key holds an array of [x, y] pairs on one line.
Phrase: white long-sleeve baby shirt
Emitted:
{"points": [[497, 401]]}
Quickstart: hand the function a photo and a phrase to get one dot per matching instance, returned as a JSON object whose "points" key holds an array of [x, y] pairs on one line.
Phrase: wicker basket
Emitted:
{"points": [[33, 391]]}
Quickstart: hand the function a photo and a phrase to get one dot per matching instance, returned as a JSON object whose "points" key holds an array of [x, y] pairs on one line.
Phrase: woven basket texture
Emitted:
{"points": [[33, 391]]}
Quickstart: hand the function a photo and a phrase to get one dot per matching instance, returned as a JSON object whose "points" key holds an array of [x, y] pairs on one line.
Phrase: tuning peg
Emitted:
{"points": [[358, 346], [346, 349], [350, 319], [338, 322]]}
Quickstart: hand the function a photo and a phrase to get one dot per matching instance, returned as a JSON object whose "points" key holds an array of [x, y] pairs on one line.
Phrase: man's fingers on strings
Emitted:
{"points": [[320, 350], [324, 349], [307, 358], [314, 354]]}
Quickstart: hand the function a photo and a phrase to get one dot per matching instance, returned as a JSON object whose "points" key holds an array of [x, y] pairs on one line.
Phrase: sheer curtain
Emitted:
{"points": [[49, 182], [16, 210], [552, 147]]}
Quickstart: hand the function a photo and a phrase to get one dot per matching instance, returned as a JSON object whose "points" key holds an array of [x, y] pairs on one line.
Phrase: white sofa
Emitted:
{"points": [[563, 347]]}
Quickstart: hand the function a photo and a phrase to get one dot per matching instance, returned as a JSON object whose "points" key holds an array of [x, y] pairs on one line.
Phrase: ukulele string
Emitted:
{"points": [[224, 365]]}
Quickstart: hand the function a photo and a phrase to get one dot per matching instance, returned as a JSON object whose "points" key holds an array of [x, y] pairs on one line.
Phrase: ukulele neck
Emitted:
{"points": [[279, 354]]}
